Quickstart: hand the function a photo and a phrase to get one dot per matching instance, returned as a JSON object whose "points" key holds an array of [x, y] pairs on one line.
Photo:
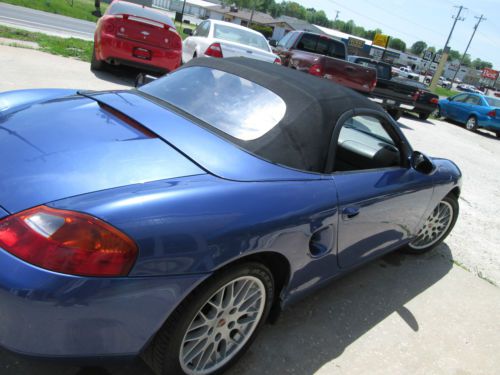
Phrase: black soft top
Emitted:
{"points": [[302, 138]]}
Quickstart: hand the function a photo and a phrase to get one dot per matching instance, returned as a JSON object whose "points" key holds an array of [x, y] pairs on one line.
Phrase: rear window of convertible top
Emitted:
{"points": [[231, 104]]}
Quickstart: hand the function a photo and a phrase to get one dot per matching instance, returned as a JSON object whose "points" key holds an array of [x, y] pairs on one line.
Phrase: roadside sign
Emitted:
{"points": [[490, 74], [428, 55], [355, 43], [376, 53], [381, 40]]}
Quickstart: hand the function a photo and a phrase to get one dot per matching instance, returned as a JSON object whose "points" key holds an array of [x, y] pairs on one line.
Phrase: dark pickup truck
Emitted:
{"points": [[325, 57], [397, 94]]}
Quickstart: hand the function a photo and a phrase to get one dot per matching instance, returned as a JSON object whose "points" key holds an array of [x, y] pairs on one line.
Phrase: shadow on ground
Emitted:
{"points": [[316, 330], [121, 75]]}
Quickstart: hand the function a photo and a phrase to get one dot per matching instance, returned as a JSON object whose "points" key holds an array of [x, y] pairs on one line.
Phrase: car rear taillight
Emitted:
{"points": [[492, 113], [68, 242], [373, 83], [316, 70], [214, 50], [109, 23], [434, 100], [277, 60], [173, 39]]}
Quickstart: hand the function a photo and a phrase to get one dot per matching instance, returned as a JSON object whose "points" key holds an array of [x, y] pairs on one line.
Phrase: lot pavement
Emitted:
{"points": [[398, 315]]}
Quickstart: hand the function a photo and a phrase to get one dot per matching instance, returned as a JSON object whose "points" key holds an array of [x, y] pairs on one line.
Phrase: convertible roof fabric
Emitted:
{"points": [[313, 105]]}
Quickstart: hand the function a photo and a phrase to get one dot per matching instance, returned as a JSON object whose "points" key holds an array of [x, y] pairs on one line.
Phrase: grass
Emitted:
{"points": [[72, 8], [441, 91], [180, 28], [67, 47]]}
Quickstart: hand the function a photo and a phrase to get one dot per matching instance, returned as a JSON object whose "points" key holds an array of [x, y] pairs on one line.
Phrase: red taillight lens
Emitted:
{"points": [[316, 70], [277, 60], [492, 113], [434, 100], [214, 50], [173, 39], [67, 242]]}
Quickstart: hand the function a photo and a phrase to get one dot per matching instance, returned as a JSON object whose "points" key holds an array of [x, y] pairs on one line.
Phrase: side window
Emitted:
{"points": [[460, 98], [283, 41], [336, 49], [308, 43], [364, 143], [472, 99], [291, 41], [202, 29]]}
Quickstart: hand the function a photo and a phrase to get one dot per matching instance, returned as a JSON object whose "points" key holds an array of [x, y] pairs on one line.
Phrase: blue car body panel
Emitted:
{"points": [[461, 112], [202, 205], [47, 153]]}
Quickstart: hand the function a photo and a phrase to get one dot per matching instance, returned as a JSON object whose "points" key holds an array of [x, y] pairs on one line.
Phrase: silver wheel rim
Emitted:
{"points": [[222, 326], [434, 227], [471, 123]]}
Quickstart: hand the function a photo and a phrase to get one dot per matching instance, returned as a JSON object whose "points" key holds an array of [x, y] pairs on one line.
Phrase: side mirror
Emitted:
{"points": [[273, 43], [188, 31], [422, 163], [143, 79], [449, 98]]}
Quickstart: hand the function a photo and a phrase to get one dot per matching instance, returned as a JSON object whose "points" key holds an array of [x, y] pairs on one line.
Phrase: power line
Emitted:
{"points": [[480, 19]]}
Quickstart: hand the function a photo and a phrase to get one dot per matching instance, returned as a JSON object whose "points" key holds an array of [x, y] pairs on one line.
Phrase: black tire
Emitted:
{"points": [[453, 201], [96, 64], [424, 116], [471, 124], [162, 355], [395, 113]]}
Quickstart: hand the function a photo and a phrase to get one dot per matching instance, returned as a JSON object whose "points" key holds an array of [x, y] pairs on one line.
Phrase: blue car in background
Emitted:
{"points": [[171, 220], [473, 110]]}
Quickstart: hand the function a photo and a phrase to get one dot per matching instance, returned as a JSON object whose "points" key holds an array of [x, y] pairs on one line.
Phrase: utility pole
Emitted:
{"points": [[336, 15], [480, 19], [182, 12], [251, 14], [446, 50]]}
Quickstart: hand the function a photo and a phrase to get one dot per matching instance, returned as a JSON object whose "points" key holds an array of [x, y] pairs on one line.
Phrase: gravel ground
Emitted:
{"points": [[400, 314]]}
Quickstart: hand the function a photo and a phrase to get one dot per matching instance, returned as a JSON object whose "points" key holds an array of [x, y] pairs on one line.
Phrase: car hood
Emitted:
{"points": [[72, 145]]}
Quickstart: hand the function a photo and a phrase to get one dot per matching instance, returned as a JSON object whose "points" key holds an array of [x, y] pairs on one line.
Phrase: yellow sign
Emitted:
{"points": [[380, 40]]}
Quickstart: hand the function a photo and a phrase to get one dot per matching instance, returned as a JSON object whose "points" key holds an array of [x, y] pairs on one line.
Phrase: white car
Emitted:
{"points": [[224, 39], [407, 73]]}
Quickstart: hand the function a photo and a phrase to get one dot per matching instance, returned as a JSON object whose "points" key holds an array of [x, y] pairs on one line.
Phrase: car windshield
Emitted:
{"points": [[492, 102], [233, 34], [122, 7], [231, 104]]}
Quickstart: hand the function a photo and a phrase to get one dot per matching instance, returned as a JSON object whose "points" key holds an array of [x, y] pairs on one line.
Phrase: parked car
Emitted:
{"points": [[138, 36], [169, 220], [468, 88], [473, 110], [394, 96], [406, 72], [220, 39], [425, 102], [442, 81], [324, 57]]}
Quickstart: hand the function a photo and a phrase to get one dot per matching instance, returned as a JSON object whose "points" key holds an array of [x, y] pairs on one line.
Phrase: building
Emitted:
{"points": [[284, 24]]}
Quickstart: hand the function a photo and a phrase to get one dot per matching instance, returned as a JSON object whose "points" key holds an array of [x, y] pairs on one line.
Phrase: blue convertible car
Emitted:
{"points": [[473, 110], [171, 221]]}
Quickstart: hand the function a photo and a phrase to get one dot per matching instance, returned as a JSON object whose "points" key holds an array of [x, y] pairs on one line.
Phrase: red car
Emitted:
{"points": [[134, 35]]}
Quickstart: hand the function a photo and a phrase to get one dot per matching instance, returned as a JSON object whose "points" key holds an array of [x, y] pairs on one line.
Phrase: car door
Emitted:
{"points": [[471, 104], [452, 107], [382, 199], [192, 43]]}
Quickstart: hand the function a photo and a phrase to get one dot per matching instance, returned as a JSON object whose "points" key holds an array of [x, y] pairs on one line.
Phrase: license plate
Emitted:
{"points": [[142, 53]]}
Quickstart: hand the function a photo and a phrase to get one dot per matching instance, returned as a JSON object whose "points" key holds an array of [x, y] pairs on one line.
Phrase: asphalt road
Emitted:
{"points": [[54, 24], [398, 315]]}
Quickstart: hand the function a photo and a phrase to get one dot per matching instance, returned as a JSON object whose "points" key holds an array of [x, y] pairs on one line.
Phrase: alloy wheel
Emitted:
{"points": [[434, 227], [223, 325]]}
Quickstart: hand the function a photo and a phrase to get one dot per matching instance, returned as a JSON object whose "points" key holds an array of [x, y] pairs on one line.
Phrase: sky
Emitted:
{"points": [[427, 20]]}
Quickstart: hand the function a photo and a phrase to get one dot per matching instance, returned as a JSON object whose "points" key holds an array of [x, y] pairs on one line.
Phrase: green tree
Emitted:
{"points": [[418, 47], [398, 44]]}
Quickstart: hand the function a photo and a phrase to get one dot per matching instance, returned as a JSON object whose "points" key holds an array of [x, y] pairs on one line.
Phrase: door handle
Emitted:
{"points": [[350, 212]]}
